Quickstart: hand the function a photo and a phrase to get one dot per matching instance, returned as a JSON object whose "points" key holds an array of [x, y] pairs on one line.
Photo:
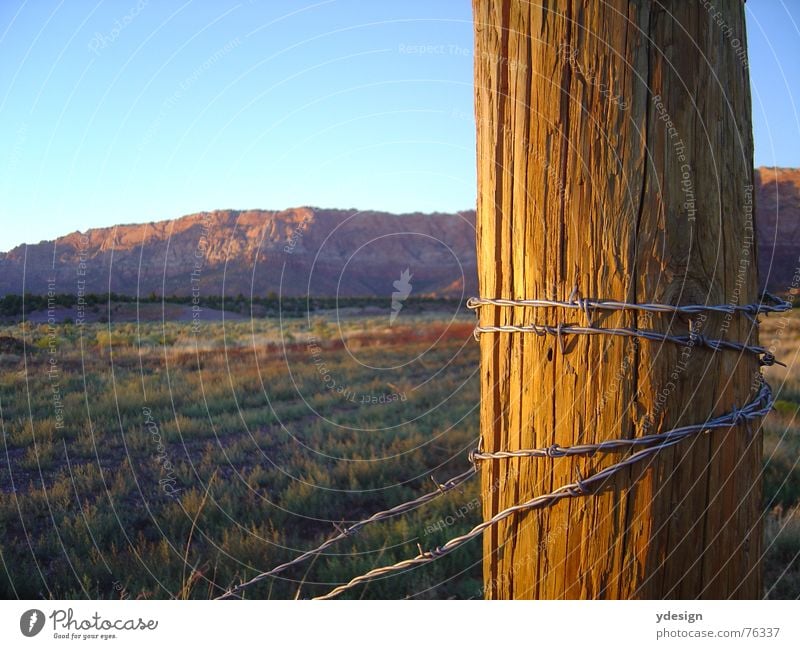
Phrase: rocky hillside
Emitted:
{"points": [[321, 252], [303, 251], [778, 213]]}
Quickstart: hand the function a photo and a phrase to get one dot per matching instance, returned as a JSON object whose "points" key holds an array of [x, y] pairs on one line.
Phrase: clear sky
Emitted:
{"points": [[123, 111]]}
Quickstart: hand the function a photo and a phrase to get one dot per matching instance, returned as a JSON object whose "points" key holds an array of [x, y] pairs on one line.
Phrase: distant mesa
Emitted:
{"points": [[321, 252], [778, 215], [300, 251]]}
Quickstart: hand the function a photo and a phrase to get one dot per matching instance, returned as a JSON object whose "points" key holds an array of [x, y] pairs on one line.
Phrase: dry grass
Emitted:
{"points": [[241, 402], [781, 333]]}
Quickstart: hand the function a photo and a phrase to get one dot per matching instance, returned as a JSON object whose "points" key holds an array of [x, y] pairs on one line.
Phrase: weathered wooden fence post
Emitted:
{"points": [[615, 154]]}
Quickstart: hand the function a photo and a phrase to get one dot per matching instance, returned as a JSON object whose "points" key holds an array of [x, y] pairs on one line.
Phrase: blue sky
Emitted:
{"points": [[140, 110]]}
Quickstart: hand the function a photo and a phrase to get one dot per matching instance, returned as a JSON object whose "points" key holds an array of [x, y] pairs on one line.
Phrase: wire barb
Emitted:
{"points": [[439, 485], [581, 487]]}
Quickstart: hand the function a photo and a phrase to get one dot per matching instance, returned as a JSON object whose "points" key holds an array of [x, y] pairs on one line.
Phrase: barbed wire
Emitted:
{"points": [[757, 408], [588, 305], [765, 356], [344, 532]]}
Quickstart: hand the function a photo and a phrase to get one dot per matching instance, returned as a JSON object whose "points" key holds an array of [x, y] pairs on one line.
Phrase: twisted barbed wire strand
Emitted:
{"points": [[764, 398], [586, 304], [765, 356], [344, 532], [759, 407], [735, 417], [659, 441]]}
